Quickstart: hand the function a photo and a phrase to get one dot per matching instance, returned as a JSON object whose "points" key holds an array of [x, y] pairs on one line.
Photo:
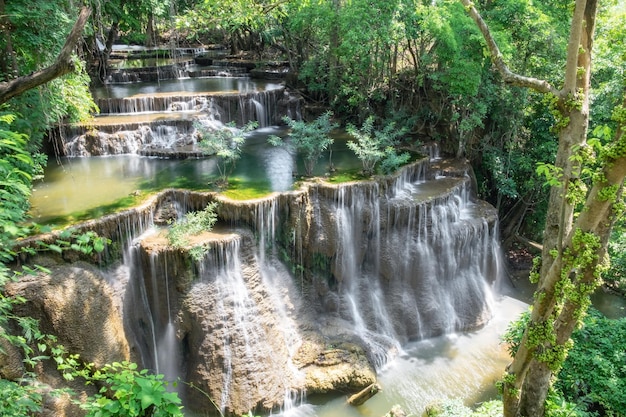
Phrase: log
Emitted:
{"points": [[360, 397]]}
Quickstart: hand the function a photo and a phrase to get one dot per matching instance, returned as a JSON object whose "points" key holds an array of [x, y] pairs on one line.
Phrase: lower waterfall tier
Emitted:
{"points": [[303, 292]]}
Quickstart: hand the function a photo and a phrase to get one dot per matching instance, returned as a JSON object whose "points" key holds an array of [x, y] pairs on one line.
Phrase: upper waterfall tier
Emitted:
{"points": [[158, 119], [176, 95]]}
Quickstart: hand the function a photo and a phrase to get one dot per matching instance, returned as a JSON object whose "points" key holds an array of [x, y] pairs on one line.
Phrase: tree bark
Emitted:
{"points": [[529, 376], [63, 64], [8, 63]]}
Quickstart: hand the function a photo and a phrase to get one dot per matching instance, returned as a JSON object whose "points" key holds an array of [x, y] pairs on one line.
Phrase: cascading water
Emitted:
{"points": [[138, 116], [358, 226], [293, 282]]}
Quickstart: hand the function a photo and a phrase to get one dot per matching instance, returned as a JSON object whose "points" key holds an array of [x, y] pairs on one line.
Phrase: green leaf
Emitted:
{"points": [[55, 248], [98, 245]]}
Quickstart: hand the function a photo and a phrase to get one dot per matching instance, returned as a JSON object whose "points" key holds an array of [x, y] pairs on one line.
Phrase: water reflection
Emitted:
{"points": [[208, 85], [73, 185]]}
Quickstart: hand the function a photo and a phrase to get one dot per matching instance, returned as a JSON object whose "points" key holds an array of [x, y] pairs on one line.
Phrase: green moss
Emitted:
{"points": [[339, 176], [94, 213], [239, 189]]}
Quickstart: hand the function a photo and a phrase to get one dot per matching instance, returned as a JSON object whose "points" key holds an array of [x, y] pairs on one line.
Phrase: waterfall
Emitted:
{"points": [[130, 125], [247, 326], [358, 226], [414, 260], [369, 263]]}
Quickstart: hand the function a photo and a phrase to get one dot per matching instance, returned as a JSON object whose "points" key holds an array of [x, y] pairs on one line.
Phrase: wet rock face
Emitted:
{"points": [[310, 290], [11, 365], [239, 321], [235, 349], [76, 304]]}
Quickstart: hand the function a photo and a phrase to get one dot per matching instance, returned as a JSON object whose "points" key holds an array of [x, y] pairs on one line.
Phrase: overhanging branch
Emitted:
{"points": [[508, 76], [63, 64]]}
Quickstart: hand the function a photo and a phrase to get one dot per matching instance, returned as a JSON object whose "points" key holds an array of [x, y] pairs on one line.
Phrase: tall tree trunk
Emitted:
{"points": [[8, 62], [333, 56], [573, 104], [573, 248], [151, 34]]}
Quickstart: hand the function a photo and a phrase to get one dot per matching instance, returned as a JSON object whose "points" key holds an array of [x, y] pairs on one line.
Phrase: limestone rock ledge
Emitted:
{"points": [[328, 367]]}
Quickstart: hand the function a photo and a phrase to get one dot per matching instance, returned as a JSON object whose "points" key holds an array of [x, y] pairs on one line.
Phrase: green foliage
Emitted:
{"points": [[18, 399], [594, 372], [593, 375], [552, 174], [512, 337], [226, 144], [38, 32], [124, 390], [371, 146], [609, 63], [558, 406], [310, 140], [86, 243], [616, 275], [193, 223], [127, 391], [18, 168]]}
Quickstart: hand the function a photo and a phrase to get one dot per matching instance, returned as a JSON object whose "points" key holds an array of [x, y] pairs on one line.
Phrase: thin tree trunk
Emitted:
{"points": [[8, 61], [576, 88]]}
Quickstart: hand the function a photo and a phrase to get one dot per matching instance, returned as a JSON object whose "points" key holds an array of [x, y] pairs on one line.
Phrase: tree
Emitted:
{"points": [[575, 241], [226, 144], [309, 139], [371, 146], [63, 64], [241, 22]]}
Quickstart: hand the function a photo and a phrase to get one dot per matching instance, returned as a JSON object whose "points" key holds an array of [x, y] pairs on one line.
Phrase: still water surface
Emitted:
{"points": [[72, 185]]}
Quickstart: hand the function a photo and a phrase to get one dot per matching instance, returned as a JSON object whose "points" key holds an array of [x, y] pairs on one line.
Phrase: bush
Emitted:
{"points": [[372, 146], [594, 372], [309, 139], [193, 223]]}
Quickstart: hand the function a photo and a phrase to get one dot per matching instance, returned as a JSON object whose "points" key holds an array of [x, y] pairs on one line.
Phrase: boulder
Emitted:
{"points": [[74, 303], [333, 367]]}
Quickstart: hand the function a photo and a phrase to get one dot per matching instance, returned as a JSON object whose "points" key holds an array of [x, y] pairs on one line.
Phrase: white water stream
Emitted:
{"points": [[461, 366]]}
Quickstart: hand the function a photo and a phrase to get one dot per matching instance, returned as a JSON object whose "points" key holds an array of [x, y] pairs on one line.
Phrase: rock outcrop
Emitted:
{"points": [[75, 303], [311, 290]]}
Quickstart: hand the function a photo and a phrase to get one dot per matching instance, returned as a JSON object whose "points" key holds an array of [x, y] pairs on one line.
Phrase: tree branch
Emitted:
{"points": [[63, 64], [508, 76]]}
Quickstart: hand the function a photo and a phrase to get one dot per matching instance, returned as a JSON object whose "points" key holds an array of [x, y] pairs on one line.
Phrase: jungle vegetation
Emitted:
{"points": [[531, 92]]}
